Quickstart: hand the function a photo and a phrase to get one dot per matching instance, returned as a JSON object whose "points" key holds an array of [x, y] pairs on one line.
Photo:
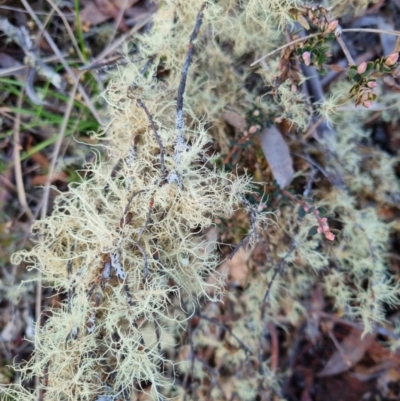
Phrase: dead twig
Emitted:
{"points": [[45, 382], [147, 65], [185, 69], [252, 232], [56, 151], [118, 20], [346, 51], [158, 139], [277, 271], [228, 330], [118, 42], [69, 273], [69, 30], [130, 201], [17, 161]]}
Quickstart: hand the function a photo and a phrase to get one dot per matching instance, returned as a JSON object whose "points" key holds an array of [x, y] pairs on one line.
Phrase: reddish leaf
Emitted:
{"points": [[352, 350], [99, 11]]}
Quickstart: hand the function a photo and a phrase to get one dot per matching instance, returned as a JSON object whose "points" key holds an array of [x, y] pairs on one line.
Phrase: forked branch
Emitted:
{"points": [[185, 69]]}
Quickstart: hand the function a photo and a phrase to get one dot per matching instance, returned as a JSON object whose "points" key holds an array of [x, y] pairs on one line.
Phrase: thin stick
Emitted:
{"points": [[103, 63], [312, 129], [130, 201], [69, 30], [19, 69], [277, 271], [372, 30], [141, 104], [56, 151], [238, 246], [45, 382], [146, 264], [298, 40], [252, 231], [185, 69], [346, 51], [17, 160], [69, 273], [147, 65], [118, 20], [118, 42], [227, 329], [342, 353]]}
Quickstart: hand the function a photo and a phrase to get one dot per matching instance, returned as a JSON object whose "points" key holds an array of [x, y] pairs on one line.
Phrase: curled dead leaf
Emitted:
{"points": [[351, 351], [278, 155]]}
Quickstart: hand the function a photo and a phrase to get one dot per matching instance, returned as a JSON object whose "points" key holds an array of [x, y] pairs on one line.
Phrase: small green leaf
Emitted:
{"points": [[369, 70], [322, 211], [321, 58], [301, 212], [330, 215], [386, 68], [311, 209], [351, 72], [313, 230]]}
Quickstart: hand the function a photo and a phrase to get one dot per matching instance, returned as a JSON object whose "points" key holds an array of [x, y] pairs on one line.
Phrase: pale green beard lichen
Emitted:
{"points": [[99, 341]]}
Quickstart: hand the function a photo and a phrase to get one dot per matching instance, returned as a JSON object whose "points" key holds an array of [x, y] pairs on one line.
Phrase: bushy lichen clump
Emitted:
{"points": [[123, 241]]}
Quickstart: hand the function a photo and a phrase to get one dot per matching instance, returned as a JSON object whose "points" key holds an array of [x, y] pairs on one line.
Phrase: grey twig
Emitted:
{"points": [[185, 69], [228, 330], [141, 104], [147, 65], [146, 264], [130, 201], [69, 273], [45, 381], [277, 270], [252, 232]]}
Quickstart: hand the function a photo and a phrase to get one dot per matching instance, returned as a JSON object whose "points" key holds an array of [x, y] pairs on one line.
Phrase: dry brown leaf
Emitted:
{"points": [[8, 62], [234, 119], [40, 180], [277, 154], [303, 22], [352, 350], [99, 11], [336, 68], [237, 267]]}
